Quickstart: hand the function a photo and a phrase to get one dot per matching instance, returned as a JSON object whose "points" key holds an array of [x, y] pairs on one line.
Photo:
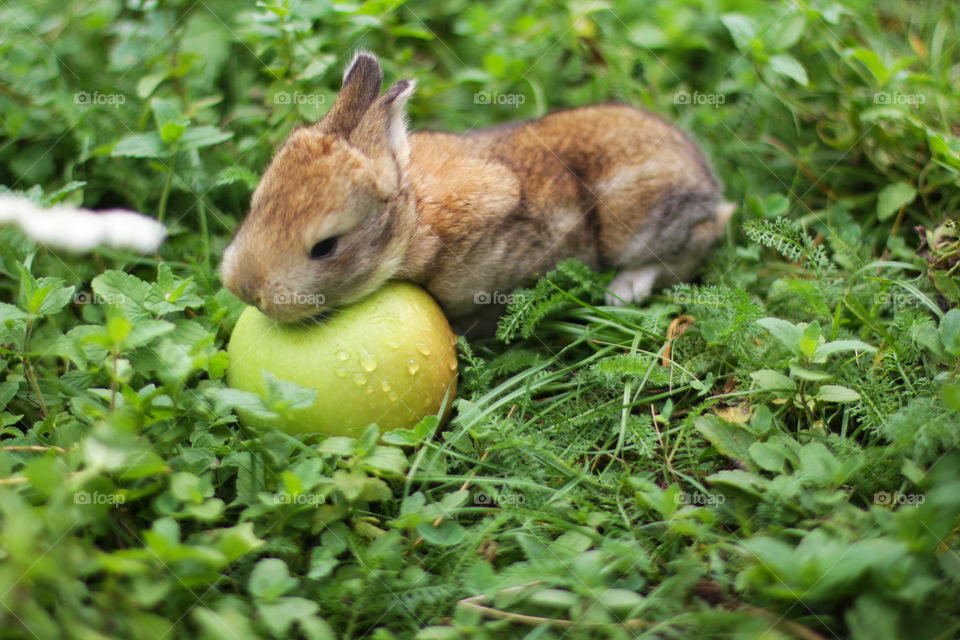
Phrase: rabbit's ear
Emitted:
{"points": [[382, 131], [361, 86]]}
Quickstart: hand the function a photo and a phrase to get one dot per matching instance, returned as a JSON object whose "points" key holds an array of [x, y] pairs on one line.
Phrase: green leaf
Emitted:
{"points": [[446, 534], [141, 145], [623, 602], [351, 485], [270, 579], [10, 313], [148, 83], [7, 391], [387, 460], [774, 555], [560, 599], [950, 394], [946, 285], [871, 616], [401, 437], [767, 456], [836, 393], [785, 31], [338, 446], [742, 28], [873, 62], [817, 463], [824, 351], [226, 622], [49, 297], [281, 395], [204, 136], [170, 294], [165, 112], [207, 511], [280, 615], [790, 67], [368, 439], [322, 562], [227, 399], [170, 132], [893, 197], [125, 291], [786, 332], [774, 205], [145, 332], [237, 173], [749, 483], [71, 187], [143, 465], [237, 541], [188, 487], [809, 339], [438, 632], [730, 439], [950, 331], [455, 500], [316, 628], [770, 380], [808, 374]]}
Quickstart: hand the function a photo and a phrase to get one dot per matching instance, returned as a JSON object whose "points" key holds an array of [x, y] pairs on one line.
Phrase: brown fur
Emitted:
{"points": [[468, 215]]}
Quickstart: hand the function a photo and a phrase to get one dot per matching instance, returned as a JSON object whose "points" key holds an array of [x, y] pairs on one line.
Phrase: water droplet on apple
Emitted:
{"points": [[343, 355], [393, 396], [413, 367], [341, 373], [452, 364], [369, 362], [360, 379], [385, 386], [422, 348], [391, 344], [369, 389]]}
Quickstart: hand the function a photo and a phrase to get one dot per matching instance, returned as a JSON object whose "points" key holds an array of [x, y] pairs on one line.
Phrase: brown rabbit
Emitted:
{"points": [[353, 200]]}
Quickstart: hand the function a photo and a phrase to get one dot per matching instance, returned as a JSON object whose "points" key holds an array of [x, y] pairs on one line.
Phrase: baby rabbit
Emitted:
{"points": [[354, 200]]}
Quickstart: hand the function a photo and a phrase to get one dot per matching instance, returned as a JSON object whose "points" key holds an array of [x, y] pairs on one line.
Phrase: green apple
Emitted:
{"points": [[390, 359]]}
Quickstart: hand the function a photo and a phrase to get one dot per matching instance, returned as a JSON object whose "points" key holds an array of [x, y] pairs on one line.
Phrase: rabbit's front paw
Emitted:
{"points": [[632, 285]]}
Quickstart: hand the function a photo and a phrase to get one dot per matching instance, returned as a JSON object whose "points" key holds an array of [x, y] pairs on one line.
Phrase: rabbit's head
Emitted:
{"points": [[332, 216]]}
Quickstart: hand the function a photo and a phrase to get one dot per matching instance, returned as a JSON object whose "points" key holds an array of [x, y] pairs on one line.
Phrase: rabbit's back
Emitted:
{"points": [[610, 185]]}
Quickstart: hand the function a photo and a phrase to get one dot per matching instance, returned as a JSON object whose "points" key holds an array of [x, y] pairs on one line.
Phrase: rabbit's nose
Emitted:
{"points": [[254, 298], [246, 292]]}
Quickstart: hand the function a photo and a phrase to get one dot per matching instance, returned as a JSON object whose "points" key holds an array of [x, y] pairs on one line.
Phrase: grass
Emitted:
{"points": [[767, 453]]}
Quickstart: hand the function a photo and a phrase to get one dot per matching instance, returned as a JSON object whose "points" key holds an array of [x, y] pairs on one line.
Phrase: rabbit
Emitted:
{"points": [[354, 200]]}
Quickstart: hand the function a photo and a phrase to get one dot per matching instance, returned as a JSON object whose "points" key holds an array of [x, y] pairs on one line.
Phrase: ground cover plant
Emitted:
{"points": [[766, 453]]}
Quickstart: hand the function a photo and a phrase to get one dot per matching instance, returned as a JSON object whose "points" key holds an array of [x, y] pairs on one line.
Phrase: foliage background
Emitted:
{"points": [[789, 472]]}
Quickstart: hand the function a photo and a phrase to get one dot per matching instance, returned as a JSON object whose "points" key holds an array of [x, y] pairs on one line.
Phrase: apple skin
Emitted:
{"points": [[389, 358]]}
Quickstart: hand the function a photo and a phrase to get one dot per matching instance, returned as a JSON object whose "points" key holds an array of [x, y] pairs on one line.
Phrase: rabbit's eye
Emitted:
{"points": [[324, 248]]}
